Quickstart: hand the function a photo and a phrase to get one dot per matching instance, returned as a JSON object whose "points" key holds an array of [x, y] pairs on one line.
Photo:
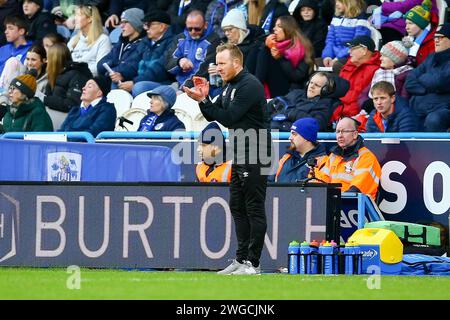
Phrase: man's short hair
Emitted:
{"points": [[196, 12], [235, 52], [17, 21], [355, 122], [383, 86]]}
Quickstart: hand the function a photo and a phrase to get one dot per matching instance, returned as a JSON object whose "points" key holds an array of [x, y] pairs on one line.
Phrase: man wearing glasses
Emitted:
{"points": [[147, 64], [429, 87], [193, 50], [350, 162], [359, 69]]}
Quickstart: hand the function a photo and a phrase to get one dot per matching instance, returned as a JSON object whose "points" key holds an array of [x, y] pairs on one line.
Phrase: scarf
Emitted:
{"points": [[294, 54], [418, 41]]}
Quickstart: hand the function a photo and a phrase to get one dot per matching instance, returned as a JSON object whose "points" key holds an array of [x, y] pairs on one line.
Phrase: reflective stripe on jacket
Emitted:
{"points": [[362, 172]]}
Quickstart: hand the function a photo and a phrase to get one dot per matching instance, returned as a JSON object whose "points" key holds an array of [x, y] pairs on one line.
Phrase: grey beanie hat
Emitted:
{"points": [[134, 16]]}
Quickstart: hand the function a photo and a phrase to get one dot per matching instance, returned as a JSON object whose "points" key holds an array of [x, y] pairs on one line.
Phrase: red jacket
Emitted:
{"points": [[426, 47], [360, 79]]}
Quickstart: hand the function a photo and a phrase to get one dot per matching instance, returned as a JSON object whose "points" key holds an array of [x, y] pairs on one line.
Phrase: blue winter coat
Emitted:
{"points": [[341, 31], [101, 117], [428, 84], [295, 169], [403, 119], [148, 62], [8, 51], [167, 121], [119, 57], [199, 51]]}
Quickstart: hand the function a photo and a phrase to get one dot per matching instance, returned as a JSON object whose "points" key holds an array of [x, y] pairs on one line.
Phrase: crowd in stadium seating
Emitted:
{"points": [[140, 45]]}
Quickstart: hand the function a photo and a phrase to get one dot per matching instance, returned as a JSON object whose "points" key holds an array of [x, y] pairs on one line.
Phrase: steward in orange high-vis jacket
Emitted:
{"points": [[350, 162], [212, 151]]}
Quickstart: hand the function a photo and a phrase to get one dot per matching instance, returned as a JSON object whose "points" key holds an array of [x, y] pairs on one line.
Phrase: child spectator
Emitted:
{"points": [[350, 22], [315, 29], [40, 23], [393, 67], [17, 47], [420, 39]]}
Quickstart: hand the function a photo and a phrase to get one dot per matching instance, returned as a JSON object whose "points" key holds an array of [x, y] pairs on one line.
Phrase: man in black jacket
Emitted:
{"points": [[318, 100], [241, 108]]}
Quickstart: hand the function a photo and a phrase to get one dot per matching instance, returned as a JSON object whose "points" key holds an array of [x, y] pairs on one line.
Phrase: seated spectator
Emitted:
{"points": [[392, 112], [287, 59], [420, 39], [216, 12], [429, 87], [315, 29], [393, 67], [391, 21], [52, 38], [65, 82], [293, 166], [148, 62], [26, 112], [7, 8], [119, 57], [350, 162], [212, 152], [39, 23], [117, 7], [179, 9], [193, 50], [359, 71], [349, 23], [90, 44], [318, 100], [16, 48], [160, 116], [95, 114], [37, 60], [247, 38]]}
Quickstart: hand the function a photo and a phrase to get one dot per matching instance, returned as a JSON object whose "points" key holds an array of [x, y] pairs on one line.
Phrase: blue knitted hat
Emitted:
{"points": [[307, 128], [211, 133]]}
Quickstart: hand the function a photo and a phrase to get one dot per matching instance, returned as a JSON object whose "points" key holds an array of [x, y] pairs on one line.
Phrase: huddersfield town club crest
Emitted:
{"points": [[63, 166]]}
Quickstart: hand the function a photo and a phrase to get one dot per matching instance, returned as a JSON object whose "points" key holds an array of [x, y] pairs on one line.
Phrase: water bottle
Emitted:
{"points": [[293, 255], [341, 258], [326, 252], [305, 258], [314, 250], [357, 259], [335, 256], [215, 80], [349, 256]]}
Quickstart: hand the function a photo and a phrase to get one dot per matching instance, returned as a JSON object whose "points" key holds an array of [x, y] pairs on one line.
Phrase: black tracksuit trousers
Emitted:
{"points": [[247, 205]]}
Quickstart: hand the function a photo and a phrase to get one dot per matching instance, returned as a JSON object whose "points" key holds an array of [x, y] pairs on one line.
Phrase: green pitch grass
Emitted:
{"points": [[25, 283]]}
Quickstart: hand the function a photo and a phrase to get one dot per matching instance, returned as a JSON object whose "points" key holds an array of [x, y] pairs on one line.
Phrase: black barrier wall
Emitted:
{"points": [[148, 226]]}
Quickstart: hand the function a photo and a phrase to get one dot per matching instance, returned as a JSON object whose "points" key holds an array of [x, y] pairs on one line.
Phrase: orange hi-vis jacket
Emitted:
{"points": [[220, 173], [360, 170]]}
